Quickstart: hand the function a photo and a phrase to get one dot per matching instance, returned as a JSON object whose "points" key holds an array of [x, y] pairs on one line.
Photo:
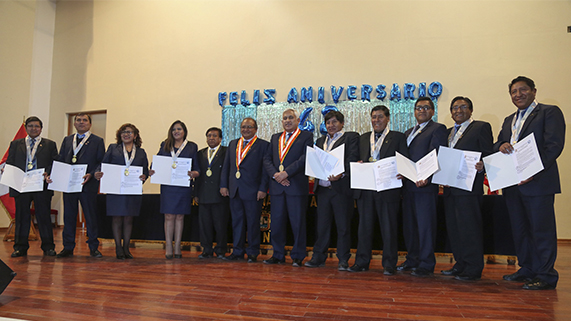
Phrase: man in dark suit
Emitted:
{"points": [[334, 196], [530, 203], [30, 153], [244, 181], [462, 208], [213, 211], [382, 206], [289, 187], [82, 148], [419, 200]]}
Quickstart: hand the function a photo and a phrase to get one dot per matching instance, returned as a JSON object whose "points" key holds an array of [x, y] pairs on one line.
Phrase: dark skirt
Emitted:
{"points": [[124, 205], [176, 199]]}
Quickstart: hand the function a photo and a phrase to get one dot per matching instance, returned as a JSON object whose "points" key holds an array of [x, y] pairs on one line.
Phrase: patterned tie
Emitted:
{"points": [[377, 135], [32, 143], [210, 151], [456, 127]]}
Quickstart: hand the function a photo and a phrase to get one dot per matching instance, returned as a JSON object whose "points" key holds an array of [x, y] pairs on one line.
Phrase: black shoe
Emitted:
{"points": [[358, 268], [128, 255], [65, 253], [297, 263], [252, 259], [389, 271], [205, 256], [516, 277], [220, 256], [313, 263], [538, 284], [19, 253], [461, 277], [421, 273], [233, 257], [343, 266], [178, 256], [451, 272], [50, 253], [168, 257], [273, 260], [120, 256], [405, 267], [94, 253]]}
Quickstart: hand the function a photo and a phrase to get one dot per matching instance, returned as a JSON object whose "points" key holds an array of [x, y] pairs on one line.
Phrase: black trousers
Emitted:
{"points": [[42, 205], [213, 219], [89, 205]]}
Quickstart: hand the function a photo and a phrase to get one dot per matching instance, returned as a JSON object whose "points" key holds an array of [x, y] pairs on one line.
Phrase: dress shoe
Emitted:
{"points": [[389, 271], [343, 266], [120, 256], [19, 253], [273, 260], [128, 255], [313, 263], [233, 257], [50, 253], [516, 277], [220, 256], [297, 263], [451, 272], [538, 284], [178, 256], [94, 253], [65, 253], [205, 256], [358, 268], [405, 267], [252, 259], [461, 277], [421, 273], [168, 256]]}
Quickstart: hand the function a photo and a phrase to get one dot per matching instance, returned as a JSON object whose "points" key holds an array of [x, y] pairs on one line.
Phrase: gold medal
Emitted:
{"points": [[126, 172], [371, 159], [208, 172], [30, 165], [74, 159], [173, 165], [281, 168], [238, 175]]}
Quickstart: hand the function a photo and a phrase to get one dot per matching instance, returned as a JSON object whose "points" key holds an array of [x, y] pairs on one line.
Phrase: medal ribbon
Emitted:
{"points": [[241, 153], [285, 146], [175, 155], [517, 124], [211, 157], [129, 160], [31, 152], [77, 148], [376, 147], [454, 137]]}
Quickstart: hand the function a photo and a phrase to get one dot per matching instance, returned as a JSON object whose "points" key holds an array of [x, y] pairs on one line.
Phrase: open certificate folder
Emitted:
{"points": [[321, 164], [172, 173], [114, 180], [420, 170], [378, 176], [457, 168], [23, 182], [504, 170], [67, 178]]}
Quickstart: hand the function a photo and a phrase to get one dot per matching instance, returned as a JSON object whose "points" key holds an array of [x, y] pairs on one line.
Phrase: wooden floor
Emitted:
{"points": [[152, 288]]}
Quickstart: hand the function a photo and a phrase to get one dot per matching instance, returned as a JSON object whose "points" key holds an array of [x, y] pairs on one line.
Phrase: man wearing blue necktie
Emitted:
{"points": [[82, 148]]}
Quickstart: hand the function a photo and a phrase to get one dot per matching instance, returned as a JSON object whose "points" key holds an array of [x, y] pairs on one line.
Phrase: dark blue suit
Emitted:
{"points": [[244, 206], [382, 206], [530, 206], [289, 201], [463, 208], [46, 153], [419, 204], [91, 154], [336, 201]]}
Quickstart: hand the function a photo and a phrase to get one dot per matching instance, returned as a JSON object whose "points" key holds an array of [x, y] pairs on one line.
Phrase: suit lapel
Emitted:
{"points": [[463, 134], [385, 145], [528, 121]]}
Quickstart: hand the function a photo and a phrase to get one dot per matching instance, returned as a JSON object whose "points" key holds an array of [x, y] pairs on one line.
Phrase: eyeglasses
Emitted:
{"points": [[126, 132], [457, 108], [422, 108]]}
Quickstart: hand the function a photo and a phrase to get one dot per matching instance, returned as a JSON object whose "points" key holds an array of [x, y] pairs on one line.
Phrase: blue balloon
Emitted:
{"points": [[292, 96], [233, 98], [321, 95], [381, 92], [270, 96], [336, 94], [222, 98], [351, 92], [435, 90], [304, 123], [256, 99], [422, 89], [366, 92], [324, 111], [243, 99], [408, 90], [323, 129], [306, 94], [395, 92]]}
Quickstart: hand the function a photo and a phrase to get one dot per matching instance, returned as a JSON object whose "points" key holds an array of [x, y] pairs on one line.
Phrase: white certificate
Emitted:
{"points": [[321, 164], [457, 168], [504, 170], [23, 182], [377, 176], [114, 180], [420, 170], [165, 174], [67, 178]]}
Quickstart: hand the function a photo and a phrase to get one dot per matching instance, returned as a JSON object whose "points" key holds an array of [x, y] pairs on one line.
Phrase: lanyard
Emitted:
{"points": [[330, 142], [242, 151], [128, 160], [211, 155], [454, 137], [175, 155], [518, 124], [376, 147], [31, 152], [284, 145], [415, 132], [77, 148]]}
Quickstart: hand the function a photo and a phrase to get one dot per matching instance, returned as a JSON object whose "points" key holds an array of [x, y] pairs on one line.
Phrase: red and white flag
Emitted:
{"points": [[8, 201]]}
